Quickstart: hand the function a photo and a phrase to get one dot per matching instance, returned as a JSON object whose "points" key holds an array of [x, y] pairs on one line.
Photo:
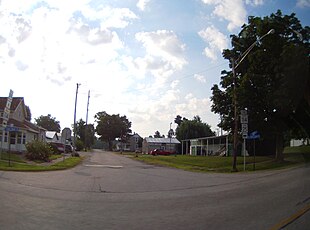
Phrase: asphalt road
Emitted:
{"points": [[110, 191]]}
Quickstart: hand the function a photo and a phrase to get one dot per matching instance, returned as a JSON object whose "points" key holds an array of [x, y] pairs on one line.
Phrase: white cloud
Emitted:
{"points": [[303, 3], [200, 78], [164, 53], [254, 2], [216, 40], [231, 10], [141, 4]]}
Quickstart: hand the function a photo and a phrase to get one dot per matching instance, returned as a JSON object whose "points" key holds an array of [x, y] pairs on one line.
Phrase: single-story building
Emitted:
{"points": [[206, 146], [168, 144], [15, 129]]}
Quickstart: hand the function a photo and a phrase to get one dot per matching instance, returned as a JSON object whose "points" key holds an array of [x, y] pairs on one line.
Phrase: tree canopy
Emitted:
{"points": [[272, 81], [189, 129], [48, 122], [110, 127]]}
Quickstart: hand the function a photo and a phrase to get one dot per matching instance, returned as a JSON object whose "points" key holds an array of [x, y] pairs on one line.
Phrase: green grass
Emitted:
{"points": [[299, 149], [18, 166], [14, 157], [224, 164]]}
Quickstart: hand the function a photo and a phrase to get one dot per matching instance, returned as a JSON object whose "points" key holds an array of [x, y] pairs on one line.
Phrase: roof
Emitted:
{"points": [[51, 134], [27, 125], [15, 102], [162, 140]]}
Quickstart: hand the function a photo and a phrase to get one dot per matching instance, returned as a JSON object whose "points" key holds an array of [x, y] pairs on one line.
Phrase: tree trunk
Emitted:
{"points": [[279, 147]]}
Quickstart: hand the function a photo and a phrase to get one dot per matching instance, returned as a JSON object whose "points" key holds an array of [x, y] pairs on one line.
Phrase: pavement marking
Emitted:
{"points": [[291, 219], [105, 166]]}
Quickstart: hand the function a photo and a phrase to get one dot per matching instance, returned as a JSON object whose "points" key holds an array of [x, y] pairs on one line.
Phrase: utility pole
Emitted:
{"points": [[234, 169], [86, 127], [87, 106], [74, 124]]}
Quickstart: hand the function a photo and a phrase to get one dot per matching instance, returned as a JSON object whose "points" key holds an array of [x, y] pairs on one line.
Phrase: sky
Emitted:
{"points": [[149, 60]]}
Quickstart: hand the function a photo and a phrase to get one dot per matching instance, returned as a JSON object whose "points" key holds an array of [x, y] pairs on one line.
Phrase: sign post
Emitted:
{"points": [[244, 130], [6, 115], [10, 129], [253, 136]]}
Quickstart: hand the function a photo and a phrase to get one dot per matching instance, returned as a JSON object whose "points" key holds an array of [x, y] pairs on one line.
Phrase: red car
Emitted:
{"points": [[160, 152]]}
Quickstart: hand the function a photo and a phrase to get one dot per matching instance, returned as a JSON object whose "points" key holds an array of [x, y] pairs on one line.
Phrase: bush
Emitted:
{"points": [[79, 145], [38, 150]]}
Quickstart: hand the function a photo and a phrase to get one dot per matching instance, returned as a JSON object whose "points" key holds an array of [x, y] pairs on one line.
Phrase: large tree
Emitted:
{"points": [[48, 122], [272, 81], [110, 127], [189, 129]]}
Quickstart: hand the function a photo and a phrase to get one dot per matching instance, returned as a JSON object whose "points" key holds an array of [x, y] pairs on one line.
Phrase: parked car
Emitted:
{"points": [[160, 152], [68, 148], [59, 147]]}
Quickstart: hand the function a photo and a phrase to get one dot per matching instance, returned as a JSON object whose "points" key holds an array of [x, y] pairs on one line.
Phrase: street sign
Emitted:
{"points": [[244, 119], [6, 113], [254, 135], [244, 130], [11, 129], [244, 116]]}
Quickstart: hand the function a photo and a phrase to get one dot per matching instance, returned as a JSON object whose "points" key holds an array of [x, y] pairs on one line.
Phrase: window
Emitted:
{"points": [[12, 138], [19, 138], [24, 138], [5, 137]]}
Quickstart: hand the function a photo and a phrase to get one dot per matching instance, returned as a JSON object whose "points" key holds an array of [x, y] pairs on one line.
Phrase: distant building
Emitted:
{"points": [[168, 144], [132, 144], [15, 130]]}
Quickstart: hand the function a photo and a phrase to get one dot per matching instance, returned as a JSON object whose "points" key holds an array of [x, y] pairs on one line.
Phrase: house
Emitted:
{"points": [[15, 129], [53, 136], [168, 144], [132, 144]]}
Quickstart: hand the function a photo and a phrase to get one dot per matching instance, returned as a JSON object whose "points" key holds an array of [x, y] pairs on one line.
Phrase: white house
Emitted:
{"points": [[15, 129]]}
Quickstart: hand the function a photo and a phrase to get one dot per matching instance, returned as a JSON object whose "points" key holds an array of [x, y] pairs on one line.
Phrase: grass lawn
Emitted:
{"points": [[19, 164], [224, 164]]}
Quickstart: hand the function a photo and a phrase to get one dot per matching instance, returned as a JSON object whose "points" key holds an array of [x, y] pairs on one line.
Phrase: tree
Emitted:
{"points": [[28, 113], [110, 127], [189, 129], [272, 82], [48, 122], [178, 119], [158, 135], [85, 133]]}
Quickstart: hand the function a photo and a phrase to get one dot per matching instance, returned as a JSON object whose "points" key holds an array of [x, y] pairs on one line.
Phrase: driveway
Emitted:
{"points": [[111, 191]]}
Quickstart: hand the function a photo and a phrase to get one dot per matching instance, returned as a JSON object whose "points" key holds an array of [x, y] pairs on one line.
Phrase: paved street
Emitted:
{"points": [[110, 191]]}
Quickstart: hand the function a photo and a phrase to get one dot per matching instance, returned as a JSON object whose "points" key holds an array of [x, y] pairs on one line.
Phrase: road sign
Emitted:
{"points": [[244, 119], [11, 129], [6, 113], [244, 130], [253, 135]]}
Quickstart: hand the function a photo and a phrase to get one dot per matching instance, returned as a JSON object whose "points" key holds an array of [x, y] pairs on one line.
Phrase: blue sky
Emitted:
{"points": [[150, 60]]}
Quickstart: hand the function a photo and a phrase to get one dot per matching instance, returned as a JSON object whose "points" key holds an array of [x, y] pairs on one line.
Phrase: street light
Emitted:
{"points": [[235, 65]]}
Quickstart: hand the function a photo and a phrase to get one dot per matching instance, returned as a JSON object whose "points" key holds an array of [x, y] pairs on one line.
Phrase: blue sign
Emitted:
{"points": [[11, 129], [253, 135]]}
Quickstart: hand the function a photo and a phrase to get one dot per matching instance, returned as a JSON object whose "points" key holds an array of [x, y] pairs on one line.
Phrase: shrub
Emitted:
{"points": [[38, 150], [79, 145]]}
